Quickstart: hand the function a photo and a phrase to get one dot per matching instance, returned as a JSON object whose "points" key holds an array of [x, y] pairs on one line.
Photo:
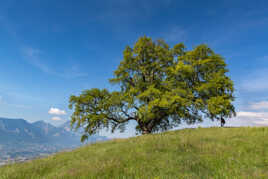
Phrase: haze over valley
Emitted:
{"points": [[21, 140]]}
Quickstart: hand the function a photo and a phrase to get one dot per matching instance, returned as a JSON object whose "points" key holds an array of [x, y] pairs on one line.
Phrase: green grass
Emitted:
{"points": [[188, 153]]}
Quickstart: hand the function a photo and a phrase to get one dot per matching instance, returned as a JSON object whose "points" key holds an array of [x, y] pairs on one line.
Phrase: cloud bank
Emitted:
{"points": [[56, 111], [262, 105], [56, 118], [257, 115]]}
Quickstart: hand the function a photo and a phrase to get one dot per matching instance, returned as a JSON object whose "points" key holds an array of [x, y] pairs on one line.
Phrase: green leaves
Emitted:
{"points": [[159, 87]]}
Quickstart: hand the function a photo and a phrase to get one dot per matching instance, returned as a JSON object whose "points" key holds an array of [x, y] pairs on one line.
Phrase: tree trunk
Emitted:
{"points": [[222, 122], [146, 130], [145, 127]]}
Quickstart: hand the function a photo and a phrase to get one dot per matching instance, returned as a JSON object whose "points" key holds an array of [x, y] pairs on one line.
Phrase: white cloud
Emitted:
{"points": [[252, 114], [247, 118], [259, 105], [56, 111], [55, 118]]}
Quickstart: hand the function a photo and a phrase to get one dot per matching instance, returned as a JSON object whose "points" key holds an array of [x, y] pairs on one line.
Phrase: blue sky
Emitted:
{"points": [[54, 48]]}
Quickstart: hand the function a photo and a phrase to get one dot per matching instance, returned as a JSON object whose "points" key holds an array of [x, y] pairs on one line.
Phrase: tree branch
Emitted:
{"points": [[120, 121]]}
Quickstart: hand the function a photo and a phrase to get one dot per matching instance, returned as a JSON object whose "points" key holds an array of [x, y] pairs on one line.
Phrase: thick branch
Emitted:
{"points": [[120, 121], [125, 113]]}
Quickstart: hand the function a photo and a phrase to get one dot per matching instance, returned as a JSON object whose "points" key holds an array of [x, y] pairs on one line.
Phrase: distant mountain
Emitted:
{"points": [[67, 127], [46, 127], [19, 138], [54, 133], [14, 130], [19, 130]]}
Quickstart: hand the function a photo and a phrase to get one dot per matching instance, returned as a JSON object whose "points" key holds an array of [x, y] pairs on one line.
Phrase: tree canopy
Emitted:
{"points": [[160, 86]]}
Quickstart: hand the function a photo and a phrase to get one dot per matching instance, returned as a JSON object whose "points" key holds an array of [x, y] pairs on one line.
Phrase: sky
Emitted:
{"points": [[52, 49]]}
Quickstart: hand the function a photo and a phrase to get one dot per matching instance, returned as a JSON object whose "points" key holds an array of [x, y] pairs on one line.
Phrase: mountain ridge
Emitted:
{"points": [[20, 138], [22, 130]]}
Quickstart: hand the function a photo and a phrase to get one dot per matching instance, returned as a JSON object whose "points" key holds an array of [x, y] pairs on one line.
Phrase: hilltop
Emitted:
{"points": [[188, 153]]}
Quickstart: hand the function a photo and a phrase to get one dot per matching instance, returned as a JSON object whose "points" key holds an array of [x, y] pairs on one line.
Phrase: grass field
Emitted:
{"points": [[188, 153]]}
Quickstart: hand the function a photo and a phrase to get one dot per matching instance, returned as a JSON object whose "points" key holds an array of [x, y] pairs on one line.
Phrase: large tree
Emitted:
{"points": [[159, 88]]}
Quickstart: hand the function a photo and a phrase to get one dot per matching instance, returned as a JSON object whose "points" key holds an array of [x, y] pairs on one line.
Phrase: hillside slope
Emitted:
{"points": [[188, 153]]}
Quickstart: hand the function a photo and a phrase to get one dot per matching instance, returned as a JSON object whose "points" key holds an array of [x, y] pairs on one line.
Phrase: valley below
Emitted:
{"points": [[20, 152], [21, 141]]}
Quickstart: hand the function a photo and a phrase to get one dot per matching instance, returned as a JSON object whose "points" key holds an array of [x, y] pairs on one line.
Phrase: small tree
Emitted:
{"points": [[159, 88]]}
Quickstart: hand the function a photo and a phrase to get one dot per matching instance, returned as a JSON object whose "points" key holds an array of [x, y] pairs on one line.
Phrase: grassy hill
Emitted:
{"points": [[188, 153]]}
